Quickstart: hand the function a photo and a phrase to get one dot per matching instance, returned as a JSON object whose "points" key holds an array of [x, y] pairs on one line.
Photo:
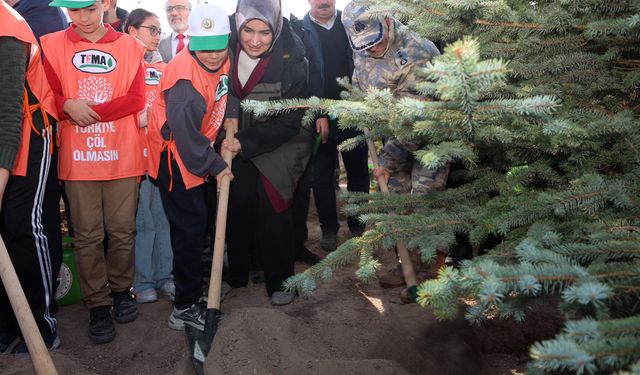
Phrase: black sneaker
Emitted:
{"points": [[101, 328], [194, 314], [305, 255], [9, 340], [125, 307], [329, 241], [51, 341]]}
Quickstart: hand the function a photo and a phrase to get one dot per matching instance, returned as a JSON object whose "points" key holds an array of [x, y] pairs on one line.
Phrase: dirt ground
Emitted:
{"points": [[345, 328]]}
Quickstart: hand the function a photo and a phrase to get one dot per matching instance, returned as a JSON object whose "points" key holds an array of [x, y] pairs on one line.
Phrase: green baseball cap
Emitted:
{"points": [[74, 4]]}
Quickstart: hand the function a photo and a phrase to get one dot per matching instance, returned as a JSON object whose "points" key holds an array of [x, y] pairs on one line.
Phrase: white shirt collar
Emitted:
{"points": [[327, 25]]}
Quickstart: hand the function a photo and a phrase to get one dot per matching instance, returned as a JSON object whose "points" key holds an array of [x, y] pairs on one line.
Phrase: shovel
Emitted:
{"points": [[200, 340], [407, 267], [40, 356]]}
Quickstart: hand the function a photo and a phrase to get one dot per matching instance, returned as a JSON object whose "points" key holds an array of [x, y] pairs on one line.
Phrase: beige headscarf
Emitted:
{"points": [[268, 11]]}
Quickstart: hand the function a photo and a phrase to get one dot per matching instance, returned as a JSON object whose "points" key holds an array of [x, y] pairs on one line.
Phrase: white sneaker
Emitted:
{"points": [[194, 315], [147, 296], [169, 290]]}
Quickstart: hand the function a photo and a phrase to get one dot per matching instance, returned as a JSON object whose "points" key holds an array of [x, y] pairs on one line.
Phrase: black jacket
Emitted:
{"points": [[42, 18], [279, 146], [313, 49]]}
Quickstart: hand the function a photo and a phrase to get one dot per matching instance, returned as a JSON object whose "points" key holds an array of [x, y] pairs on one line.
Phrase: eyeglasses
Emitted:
{"points": [[154, 31], [177, 8]]}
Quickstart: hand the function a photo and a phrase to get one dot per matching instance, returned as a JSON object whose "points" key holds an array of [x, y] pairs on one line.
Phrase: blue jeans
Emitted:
{"points": [[154, 257]]}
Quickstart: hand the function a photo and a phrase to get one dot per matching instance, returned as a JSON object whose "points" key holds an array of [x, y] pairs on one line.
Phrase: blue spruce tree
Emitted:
{"points": [[539, 104]]}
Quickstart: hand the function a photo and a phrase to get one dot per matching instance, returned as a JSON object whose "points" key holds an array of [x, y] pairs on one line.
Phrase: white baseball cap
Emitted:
{"points": [[208, 28]]}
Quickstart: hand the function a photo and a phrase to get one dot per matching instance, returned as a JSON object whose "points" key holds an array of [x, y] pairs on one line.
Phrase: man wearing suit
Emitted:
{"points": [[178, 17]]}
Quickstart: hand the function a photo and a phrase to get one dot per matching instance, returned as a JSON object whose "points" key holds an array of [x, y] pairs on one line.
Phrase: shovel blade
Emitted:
{"points": [[200, 340]]}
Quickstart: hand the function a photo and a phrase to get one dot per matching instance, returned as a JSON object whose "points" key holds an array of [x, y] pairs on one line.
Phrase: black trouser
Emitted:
{"points": [[324, 165], [26, 242], [51, 209], [187, 211], [301, 211], [253, 224]]}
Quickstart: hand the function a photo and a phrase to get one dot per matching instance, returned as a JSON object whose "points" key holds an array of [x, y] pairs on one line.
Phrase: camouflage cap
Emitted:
{"points": [[364, 30]]}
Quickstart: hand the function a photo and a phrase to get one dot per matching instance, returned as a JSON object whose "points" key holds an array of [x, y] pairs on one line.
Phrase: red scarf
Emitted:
{"points": [[254, 78]]}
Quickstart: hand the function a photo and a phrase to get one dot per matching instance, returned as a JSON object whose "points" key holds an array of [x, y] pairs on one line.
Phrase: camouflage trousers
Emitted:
{"points": [[419, 180], [407, 174]]}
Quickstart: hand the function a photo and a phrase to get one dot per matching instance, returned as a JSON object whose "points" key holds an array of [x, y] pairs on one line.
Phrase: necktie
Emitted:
{"points": [[180, 45]]}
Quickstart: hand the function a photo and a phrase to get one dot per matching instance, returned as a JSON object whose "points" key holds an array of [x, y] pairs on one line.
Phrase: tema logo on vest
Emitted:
{"points": [[94, 61], [223, 87], [152, 76]]}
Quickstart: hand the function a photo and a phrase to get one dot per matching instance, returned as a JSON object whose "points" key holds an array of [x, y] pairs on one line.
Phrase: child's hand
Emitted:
{"points": [[80, 111], [235, 147], [225, 172]]}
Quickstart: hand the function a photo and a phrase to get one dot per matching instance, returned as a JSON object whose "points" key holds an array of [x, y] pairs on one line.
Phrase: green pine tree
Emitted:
{"points": [[539, 106]]}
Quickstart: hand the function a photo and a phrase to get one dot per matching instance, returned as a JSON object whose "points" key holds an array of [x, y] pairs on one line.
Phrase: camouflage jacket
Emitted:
{"points": [[396, 70], [397, 67]]}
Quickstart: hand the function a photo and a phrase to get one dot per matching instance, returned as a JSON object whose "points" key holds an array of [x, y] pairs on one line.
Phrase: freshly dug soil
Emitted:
{"points": [[345, 328]]}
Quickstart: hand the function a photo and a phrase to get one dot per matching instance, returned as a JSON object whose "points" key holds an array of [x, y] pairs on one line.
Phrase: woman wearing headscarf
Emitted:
{"points": [[271, 152]]}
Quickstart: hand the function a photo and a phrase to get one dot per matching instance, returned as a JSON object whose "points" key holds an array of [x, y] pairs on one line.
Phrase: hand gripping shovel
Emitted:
{"points": [[40, 357], [200, 341], [407, 268]]}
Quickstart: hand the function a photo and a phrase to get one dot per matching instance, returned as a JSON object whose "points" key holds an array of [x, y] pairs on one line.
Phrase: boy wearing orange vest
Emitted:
{"points": [[97, 77], [27, 111], [184, 125]]}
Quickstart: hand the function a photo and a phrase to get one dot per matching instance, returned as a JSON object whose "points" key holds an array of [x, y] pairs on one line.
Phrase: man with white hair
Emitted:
{"points": [[178, 17]]}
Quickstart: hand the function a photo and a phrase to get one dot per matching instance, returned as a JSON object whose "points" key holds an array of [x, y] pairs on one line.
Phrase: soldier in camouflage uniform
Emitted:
{"points": [[387, 57]]}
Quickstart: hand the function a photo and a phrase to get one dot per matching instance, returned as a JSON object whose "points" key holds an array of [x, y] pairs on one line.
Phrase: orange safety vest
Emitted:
{"points": [[13, 25], [98, 72], [213, 88], [152, 74]]}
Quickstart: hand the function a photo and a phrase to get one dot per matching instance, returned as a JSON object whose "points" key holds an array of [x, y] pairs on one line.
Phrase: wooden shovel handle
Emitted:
{"points": [[215, 283], [407, 268], [40, 356]]}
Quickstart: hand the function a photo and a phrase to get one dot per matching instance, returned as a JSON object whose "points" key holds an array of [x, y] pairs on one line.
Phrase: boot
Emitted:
{"points": [[392, 278], [329, 241], [404, 296]]}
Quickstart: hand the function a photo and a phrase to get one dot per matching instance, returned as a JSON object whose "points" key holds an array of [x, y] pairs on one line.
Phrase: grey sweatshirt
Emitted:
{"points": [[12, 77]]}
